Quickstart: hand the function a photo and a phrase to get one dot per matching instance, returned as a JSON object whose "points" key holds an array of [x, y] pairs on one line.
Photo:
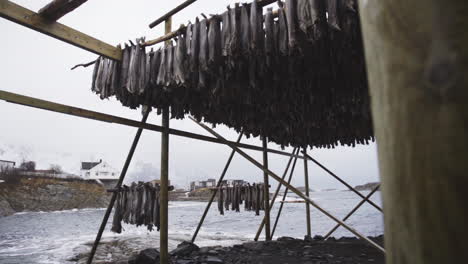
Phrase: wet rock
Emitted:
{"points": [[147, 256], [132, 259], [204, 250], [347, 239], [285, 238], [318, 238], [255, 246], [213, 260], [185, 261], [184, 249]]}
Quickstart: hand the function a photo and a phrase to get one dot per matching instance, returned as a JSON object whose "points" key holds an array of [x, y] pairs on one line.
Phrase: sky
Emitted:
{"points": [[36, 65]]}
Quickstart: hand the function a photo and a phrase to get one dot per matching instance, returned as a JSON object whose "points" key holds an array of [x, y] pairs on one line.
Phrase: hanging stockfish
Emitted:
{"points": [[181, 62], [299, 80], [117, 219], [138, 205], [221, 200], [203, 56], [195, 51], [214, 57], [256, 71], [332, 10]]}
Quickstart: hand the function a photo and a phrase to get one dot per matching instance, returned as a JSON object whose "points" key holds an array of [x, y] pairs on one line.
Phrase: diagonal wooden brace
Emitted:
{"points": [[353, 210], [340, 180], [292, 188]]}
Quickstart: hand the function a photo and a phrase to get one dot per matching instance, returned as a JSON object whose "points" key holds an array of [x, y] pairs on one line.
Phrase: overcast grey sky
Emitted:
{"points": [[37, 65]]}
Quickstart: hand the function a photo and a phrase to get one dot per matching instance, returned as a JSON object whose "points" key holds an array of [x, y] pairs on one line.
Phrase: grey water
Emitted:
{"points": [[56, 237]]}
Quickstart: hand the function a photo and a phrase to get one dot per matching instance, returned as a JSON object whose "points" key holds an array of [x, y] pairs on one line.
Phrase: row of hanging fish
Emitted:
{"points": [[252, 196], [298, 79], [137, 204]]}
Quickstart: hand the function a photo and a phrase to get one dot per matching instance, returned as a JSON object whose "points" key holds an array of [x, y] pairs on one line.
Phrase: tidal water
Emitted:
{"points": [[58, 237]]}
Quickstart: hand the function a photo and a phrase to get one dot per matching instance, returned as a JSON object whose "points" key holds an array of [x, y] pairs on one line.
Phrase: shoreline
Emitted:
{"points": [[283, 250]]}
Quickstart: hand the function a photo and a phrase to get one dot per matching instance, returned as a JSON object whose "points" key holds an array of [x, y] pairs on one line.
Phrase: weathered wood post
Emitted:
{"points": [[266, 191], [163, 195], [417, 62], [306, 183]]}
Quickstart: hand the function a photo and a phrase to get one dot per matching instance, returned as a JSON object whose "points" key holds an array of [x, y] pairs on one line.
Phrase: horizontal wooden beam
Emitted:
{"points": [[80, 112], [183, 27], [32, 20], [171, 13], [58, 8]]}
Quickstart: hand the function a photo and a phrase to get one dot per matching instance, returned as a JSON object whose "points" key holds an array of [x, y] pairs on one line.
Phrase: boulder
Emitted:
{"points": [[318, 237], [285, 238], [213, 260], [184, 249], [254, 246], [147, 256]]}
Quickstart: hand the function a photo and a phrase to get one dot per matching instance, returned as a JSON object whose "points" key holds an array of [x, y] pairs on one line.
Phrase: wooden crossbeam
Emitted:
{"points": [[84, 113], [32, 20], [58, 8]]}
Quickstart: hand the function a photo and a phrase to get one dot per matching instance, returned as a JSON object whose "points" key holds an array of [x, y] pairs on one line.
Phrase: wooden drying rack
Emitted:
{"points": [[45, 21]]}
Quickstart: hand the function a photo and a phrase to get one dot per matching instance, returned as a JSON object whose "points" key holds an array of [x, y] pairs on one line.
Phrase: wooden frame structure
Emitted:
{"points": [[45, 22]]}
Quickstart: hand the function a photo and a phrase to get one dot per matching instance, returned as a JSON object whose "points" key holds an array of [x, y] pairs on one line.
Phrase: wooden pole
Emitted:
{"points": [[340, 180], [260, 228], [221, 178], [175, 33], [352, 211], [163, 194], [119, 183], [84, 113], [32, 20], [58, 8], [171, 13], [306, 183], [266, 191], [292, 188], [417, 63], [284, 198]]}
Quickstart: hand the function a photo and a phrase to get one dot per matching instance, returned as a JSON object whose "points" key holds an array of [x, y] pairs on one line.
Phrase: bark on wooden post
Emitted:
{"points": [[417, 62], [306, 183], [163, 246], [266, 191]]}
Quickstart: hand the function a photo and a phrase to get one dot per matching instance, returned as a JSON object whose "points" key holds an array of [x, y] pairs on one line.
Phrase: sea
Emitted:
{"points": [[67, 236]]}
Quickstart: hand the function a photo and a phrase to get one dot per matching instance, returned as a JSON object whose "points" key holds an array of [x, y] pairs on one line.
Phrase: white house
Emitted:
{"points": [[100, 171], [6, 165]]}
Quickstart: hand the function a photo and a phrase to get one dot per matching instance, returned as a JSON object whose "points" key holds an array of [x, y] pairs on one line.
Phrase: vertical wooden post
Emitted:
{"points": [[417, 65], [163, 195], [266, 191], [119, 183], [306, 183], [273, 199]]}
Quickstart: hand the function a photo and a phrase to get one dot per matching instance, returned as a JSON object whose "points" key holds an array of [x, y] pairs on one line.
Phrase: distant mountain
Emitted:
{"points": [[366, 187]]}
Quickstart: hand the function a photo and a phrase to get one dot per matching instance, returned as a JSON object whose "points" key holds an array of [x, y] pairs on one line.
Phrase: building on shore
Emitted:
{"points": [[99, 171], [202, 184]]}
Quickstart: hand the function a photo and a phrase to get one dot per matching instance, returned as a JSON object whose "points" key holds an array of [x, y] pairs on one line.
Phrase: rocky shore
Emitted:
{"points": [[281, 251], [50, 194]]}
